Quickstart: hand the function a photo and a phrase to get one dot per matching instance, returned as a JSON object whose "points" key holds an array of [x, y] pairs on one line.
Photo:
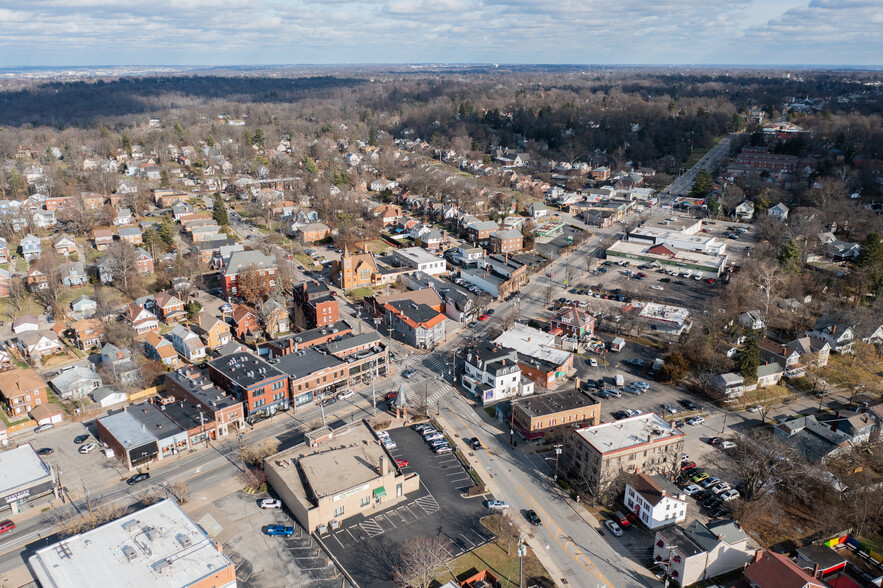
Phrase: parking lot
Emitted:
{"points": [[368, 547]]}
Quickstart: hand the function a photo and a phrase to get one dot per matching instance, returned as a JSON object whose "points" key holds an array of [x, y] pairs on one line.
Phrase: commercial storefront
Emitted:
{"points": [[25, 481]]}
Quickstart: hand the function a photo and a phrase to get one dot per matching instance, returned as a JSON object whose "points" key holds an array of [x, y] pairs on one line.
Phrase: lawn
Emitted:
{"points": [[359, 293], [500, 557], [305, 261], [375, 246]]}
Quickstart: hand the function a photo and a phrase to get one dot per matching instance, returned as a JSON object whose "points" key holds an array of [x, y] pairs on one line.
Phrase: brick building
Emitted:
{"points": [[261, 387], [315, 301], [22, 391], [538, 415]]}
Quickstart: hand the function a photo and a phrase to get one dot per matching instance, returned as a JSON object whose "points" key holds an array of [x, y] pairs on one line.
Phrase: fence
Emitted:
{"points": [[146, 393]]}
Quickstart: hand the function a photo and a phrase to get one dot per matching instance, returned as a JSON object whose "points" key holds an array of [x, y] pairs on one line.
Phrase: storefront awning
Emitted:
{"points": [[379, 492]]}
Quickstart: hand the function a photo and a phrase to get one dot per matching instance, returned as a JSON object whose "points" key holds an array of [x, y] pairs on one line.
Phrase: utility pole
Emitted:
{"points": [[557, 453], [724, 426], [522, 551], [88, 494]]}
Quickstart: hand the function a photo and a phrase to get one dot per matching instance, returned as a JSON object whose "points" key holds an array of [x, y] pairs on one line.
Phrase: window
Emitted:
{"points": [[338, 512], [363, 503], [277, 385]]}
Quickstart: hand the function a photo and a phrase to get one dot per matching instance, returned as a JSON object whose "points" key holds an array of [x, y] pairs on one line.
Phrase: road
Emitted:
{"points": [[715, 155]]}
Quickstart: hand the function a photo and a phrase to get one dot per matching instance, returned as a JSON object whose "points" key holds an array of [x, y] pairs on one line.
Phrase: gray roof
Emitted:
{"points": [[245, 369], [305, 362], [349, 341], [507, 234], [127, 430], [126, 231], [769, 369], [154, 420], [72, 377], [240, 260], [401, 399]]}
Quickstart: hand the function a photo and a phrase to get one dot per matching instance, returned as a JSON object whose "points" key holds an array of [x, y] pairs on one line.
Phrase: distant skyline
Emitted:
{"points": [[256, 32]]}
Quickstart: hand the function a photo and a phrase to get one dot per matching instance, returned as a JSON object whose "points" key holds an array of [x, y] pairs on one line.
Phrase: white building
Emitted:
{"points": [[701, 551], [492, 373], [187, 343], [155, 547], [655, 500], [420, 259]]}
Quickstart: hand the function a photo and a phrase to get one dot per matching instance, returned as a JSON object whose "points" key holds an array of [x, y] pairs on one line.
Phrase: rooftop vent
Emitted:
{"points": [[130, 553], [184, 540]]}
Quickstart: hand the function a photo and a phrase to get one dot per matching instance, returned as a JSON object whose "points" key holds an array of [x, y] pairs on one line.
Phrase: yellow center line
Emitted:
{"points": [[468, 428], [577, 555]]}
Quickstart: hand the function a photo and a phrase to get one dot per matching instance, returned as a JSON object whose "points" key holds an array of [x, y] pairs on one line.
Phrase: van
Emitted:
{"points": [[622, 520], [6, 526], [619, 380]]}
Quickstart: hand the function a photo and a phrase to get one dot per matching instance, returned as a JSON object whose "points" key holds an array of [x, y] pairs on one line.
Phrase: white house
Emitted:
{"points": [[744, 210], [187, 343], [492, 373], [656, 501], [729, 385], [701, 551], [838, 335], [420, 259], [76, 382], [752, 319], [780, 211]]}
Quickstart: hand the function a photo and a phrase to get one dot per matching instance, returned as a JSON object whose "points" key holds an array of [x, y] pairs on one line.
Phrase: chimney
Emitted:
{"points": [[576, 382], [815, 571], [835, 421], [758, 554], [384, 466]]}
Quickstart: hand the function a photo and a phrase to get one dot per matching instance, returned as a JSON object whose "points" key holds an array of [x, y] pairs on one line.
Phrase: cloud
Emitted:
{"points": [[83, 32]]}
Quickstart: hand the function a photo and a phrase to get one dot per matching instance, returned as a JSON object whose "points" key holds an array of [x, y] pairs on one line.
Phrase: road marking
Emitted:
{"points": [[468, 428], [577, 555]]}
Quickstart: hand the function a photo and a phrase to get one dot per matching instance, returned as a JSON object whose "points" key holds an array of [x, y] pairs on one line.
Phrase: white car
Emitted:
{"points": [[727, 445], [271, 503], [754, 408], [497, 505], [729, 495], [720, 487], [593, 362], [87, 448], [655, 287], [692, 489], [697, 420], [45, 427], [389, 443], [346, 394], [614, 528]]}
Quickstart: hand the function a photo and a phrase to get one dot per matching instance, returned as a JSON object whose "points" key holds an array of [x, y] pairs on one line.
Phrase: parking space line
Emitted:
{"points": [[388, 520], [467, 539]]}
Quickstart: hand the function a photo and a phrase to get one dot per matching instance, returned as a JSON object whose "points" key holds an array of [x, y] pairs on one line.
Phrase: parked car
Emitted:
{"points": [[497, 504], [692, 489], [6, 526], [443, 449], [280, 530], [670, 408], [613, 527], [45, 427], [727, 445], [346, 394], [697, 420], [689, 404], [483, 317], [80, 439], [389, 443], [593, 362], [718, 512], [709, 482], [533, 518], [45, 451], [699, 477], [622, 520], [686, 465], [137, 478], [329, 401], [271, 503], [434, 437], [87, 448], [729, 495], [402, 463], [714, 441]]}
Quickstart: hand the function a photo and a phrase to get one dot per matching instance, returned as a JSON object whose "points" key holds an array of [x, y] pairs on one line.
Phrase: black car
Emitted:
{"points": [[665, 280], [589, 384], [80, 439], [619, 415], [692, 471], [490, 312], [718, 512], [689, 405], [703, 495], [533, 518], [712, 502], [137, 478], [45, 451], [329, 401], [474, 443]]}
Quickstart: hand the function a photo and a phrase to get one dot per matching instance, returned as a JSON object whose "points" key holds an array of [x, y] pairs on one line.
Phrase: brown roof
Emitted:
{"points": [[89, 323], [651, 490], [241, 312], [153, 339], [426, 296], [164, 298], [45, 411], [205, 321], [17, 382], [774, 570]]}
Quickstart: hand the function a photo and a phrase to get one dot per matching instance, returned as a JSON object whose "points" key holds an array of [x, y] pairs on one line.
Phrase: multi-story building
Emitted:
{"points": [[538, 357], [506, 241], [88, 333], [572, 321], [187, 344], [655, 500], [492, 374], [261, 267], [418, 325], [703, 550], [222, 413], [261, 387], [312, 232], [315, 301], [169, 307], [355, 271], [419, 259], [143, 261], [22, 391], [536, 416], [599, 454], [213, 330], [142, 320], [307, 339]]}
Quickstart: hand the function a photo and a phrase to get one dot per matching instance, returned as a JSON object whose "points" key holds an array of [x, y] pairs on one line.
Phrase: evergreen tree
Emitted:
{"points": [[701, 184], [167, 230], [219, 211], [372, 137], [713, 204], [258, 138], [748, 358], [210, 141], [127, 145], [164, 179], [179, 130], [789, 257], [872, 252], [310, 165]]}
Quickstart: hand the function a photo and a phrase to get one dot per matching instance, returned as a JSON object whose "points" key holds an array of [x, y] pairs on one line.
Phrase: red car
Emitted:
{"points": [[392, 395], [686, 465], [6, 526], [710, 280], [402, 463], [483, 317], [642, 275]]}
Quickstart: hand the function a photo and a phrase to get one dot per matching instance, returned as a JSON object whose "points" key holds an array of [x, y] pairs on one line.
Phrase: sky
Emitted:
{"points": [[256, 32]]}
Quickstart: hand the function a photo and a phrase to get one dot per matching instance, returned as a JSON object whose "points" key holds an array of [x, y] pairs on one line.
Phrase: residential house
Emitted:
{"points": [[314, 302], [388, 213], [821, 562], [816, 441], [84, 306], [207, 232], [797, 355], [538, 210], [181, 209], [87, 333], [123, 217], [142, 320], [5, 364], [156, 347], [572, 321], [492, 374], [103, 238], [30, 248], [701, 551], [655, 500], [4, 251], [187, 344], [131, 235], [839, 336], [39, 344], [246, 323], [214, 331], [383, 184], [312, 233], [275, 319], [169, 307], [76, 382], [417, 325], [752, 319], [730, 385], [64, 245], [92, 200], [744, 210], [779, 211], [73, 274], [263, 266], [119, 362], [774, 570], [22, 391], [505, 241], [769, 374], [143, 261], [480, 231], [5, 282], [25, 323], [858, 426], [36, 280], [44, 219]]}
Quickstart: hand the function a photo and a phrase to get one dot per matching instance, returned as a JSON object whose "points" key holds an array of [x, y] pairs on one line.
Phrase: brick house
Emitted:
{"points": [[22, 391], [143, 261], [313, 232], [261, 387], [505, 241], [169, 307], [242, 261], [88, 333], [192, 385], [246, 322], [319, 307], [131, 235]]}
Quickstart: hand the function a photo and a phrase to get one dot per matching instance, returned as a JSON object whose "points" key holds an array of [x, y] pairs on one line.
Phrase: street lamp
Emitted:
{"points": [[522, 552]]}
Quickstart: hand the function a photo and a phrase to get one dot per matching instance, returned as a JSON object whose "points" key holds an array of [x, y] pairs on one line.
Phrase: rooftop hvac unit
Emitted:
{"points": [[130, 553], [184, 540]]}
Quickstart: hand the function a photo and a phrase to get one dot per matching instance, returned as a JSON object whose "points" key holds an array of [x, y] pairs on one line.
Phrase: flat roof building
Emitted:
{"points": [[681, 260], [128, 438], [645, 442], [155, 547], [538, 357], [24, 478], [366, 479], [537, 415]]}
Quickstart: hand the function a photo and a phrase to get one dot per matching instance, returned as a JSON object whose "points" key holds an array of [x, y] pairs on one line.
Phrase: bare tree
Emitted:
{"points": [[767, 277], [421, 560], [50, 265], [18, 293], [253, 284], [761, 459], [121, 258]]}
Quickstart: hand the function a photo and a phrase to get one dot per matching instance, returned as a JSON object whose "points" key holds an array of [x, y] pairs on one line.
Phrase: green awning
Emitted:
{"points": [[379, 492]]}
